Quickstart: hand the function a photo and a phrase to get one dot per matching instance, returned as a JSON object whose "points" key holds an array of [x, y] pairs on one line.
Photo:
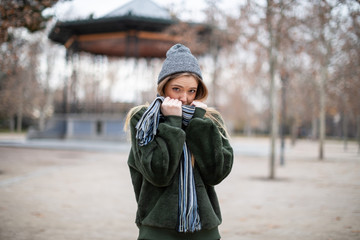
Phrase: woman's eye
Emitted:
{"points": [[193, 91], [176, 89]]}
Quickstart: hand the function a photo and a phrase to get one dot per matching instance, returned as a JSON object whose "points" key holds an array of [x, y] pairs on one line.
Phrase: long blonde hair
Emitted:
{"points": [[201, 95]]}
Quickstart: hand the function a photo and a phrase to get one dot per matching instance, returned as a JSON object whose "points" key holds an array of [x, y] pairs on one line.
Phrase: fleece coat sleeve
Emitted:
{"points": [[212, 151], [158, 160]]}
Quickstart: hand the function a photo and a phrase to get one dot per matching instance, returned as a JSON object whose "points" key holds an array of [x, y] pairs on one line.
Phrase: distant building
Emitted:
{"points": [[83, 126]]}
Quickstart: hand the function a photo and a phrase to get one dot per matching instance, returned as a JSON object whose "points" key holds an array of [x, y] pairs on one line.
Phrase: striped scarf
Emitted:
{"points": [[189, 219]]}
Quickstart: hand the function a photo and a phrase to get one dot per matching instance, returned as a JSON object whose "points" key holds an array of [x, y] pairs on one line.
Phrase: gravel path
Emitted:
{"points": [[71, 194]]}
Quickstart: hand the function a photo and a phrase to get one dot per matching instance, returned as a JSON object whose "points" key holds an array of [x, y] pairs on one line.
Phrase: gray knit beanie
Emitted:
{"points": [[179, 59]]}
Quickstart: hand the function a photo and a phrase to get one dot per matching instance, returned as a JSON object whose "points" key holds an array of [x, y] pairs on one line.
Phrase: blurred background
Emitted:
{"points": [[279, 71], [71, 69]]}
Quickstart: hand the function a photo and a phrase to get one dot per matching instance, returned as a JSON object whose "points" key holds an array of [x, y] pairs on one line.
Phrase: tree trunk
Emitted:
{"points": [[314, 130], [215, 57], [12, 123], [273, 130], [214, 81], [48, 102], [358, 132], [322, 112], [20, 105], [42, 120], [284, 80], [19, 117], [294, 131], [345, 130], [272, 65]]}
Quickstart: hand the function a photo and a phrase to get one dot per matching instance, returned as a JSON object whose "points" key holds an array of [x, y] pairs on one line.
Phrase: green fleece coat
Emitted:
{"points": [[154, 169]]}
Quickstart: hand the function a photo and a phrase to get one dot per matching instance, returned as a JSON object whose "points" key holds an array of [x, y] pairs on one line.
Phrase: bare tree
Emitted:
{"points": [[10, 79], [45, 93], [329, 33], [299, 38], [29, 88], [17, 14], [269, 32], [345, 81], [21, 91]]}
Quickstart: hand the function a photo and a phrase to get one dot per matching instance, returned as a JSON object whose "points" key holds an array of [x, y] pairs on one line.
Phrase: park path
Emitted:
{"points": [[74, 194]]}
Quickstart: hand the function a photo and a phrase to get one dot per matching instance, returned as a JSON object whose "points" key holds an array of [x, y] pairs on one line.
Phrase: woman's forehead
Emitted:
{"points": [[184, 81]]}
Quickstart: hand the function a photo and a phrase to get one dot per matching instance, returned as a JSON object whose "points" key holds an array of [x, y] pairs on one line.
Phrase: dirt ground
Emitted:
{"points": [[49, 194]]}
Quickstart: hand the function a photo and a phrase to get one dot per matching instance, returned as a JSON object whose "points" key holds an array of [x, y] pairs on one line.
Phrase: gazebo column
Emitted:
{"points": [[132, 44]]}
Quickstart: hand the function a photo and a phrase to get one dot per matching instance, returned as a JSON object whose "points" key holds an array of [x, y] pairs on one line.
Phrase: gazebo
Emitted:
{"points": [[135, 29]]}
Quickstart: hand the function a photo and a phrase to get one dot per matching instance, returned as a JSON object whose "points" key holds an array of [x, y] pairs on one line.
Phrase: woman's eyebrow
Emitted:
{"points": [[180, 86], [176, 85]]}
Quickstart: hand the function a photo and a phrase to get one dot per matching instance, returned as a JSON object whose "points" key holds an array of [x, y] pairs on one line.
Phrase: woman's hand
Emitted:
{"points": [[171, 107], [199, 104]]}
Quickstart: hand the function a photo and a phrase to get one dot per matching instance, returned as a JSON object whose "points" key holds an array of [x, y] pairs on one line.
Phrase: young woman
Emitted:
{"points": [[180, 151]]}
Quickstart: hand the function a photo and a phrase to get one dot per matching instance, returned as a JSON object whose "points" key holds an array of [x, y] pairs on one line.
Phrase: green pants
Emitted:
{"points": [[153, 233]]}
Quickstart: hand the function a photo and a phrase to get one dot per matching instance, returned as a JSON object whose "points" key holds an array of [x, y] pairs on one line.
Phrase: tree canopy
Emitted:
{"points": [[26, 13]]}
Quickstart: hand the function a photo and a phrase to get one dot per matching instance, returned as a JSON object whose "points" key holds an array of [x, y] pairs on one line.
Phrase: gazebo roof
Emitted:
{"points": [[140, 8], [133, 30]]}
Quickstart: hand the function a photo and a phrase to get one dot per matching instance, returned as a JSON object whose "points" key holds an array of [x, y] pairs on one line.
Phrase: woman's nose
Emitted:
{"points": [[183, 98]]}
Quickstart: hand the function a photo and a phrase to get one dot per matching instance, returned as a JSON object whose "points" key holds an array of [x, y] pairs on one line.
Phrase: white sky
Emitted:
{"points": [[83, 8]]}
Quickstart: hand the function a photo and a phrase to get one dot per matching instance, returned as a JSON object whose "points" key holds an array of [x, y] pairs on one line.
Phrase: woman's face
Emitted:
{"points": [[182, 88]]}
